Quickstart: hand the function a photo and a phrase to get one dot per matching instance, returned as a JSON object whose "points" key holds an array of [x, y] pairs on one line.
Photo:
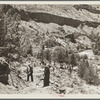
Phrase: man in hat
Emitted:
{"points": [[46, 75], [29, 72]]}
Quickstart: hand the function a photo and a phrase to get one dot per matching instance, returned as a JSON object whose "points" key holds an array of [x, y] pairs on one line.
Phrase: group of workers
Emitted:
{"points": [[70, 66], [46, 70], [46, 73]]}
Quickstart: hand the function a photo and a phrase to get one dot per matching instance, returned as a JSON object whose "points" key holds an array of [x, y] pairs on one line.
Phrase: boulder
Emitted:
{"points": [[4, 71]]}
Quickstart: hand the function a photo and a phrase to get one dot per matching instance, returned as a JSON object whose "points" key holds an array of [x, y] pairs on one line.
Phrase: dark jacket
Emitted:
{"points": [[29, 70], [46, 76]]}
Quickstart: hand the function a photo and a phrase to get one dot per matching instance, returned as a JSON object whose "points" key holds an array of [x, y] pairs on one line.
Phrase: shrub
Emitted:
{"points": [[96, 58], [44, 55], [90, 76], [95, 51], [51, 43], [87, 72], [98, 52], [81, 68], [47, 55], [77, 58], [29, 51], [72, 59], [85, 57], [59, 54]]}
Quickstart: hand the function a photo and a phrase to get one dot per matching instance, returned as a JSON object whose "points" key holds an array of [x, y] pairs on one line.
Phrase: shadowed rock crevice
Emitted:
{"points": [[50, 18], [88, 8]]}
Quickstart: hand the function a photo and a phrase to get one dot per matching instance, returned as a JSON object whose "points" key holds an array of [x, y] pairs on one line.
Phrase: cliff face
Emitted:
{"points": [[58, 20]]}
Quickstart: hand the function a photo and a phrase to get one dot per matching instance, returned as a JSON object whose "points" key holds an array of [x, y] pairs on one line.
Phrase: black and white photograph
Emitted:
{"points": [[50, 49]]}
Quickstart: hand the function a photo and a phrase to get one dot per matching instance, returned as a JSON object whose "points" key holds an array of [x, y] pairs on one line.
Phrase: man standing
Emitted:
{"points": [[29, 72], [46, 75]]}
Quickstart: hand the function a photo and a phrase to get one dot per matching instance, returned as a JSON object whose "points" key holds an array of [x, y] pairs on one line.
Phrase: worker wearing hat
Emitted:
{"points": [[29, 71]]}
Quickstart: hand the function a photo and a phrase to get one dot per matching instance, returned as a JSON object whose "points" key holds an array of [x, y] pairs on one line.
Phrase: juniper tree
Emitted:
{"points": [[87, 72], [59, 54], [48, 55]]}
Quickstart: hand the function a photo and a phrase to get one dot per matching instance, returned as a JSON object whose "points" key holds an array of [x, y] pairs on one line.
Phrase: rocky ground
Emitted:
{"points": [[59, 80]]}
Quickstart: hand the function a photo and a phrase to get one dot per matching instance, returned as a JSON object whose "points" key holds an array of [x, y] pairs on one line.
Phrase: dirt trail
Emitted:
{"points": [[71, 83], [89, 53]]}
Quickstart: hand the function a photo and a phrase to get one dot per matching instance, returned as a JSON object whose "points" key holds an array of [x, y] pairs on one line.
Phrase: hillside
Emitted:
{"points": [[33, 33]]}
